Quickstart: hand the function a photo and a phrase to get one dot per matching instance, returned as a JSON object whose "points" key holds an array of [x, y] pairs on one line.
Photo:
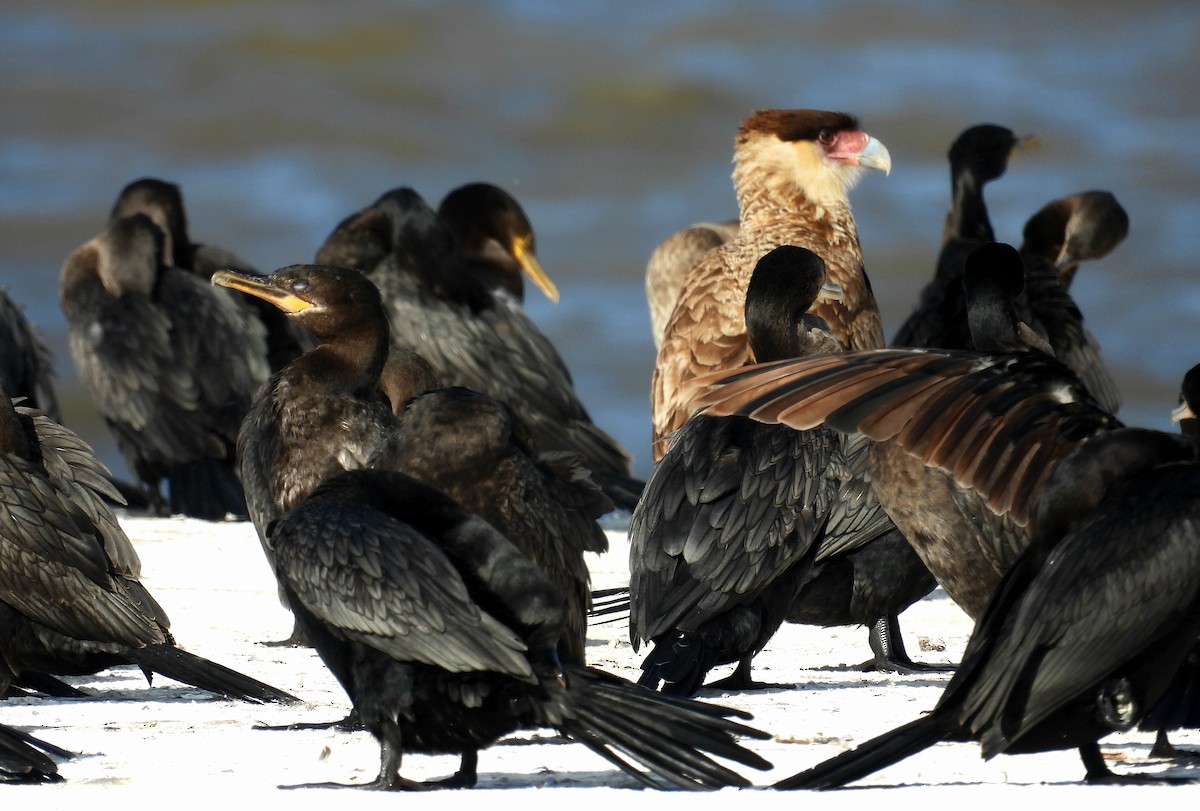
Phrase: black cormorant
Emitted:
{"points": [[26, 759], [445, 637], [26, 362], [356, 402], [162, 202], [496, 238], [170, 364], [323, 413], [471, 336], [71, 602], [979, 155]]}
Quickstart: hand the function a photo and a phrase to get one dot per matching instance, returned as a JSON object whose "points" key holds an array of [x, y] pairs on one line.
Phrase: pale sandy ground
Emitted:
{"points": [[157, 747]]}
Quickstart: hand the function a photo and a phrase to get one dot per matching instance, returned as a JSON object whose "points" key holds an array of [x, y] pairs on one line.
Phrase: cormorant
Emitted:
{"points": [[472, 336], [979, 155], [170, 364], [1092, 523], [793, 170], [162, 202], [966, 538], [1063, 234], [475, 450], [744, 525], [1075, 229], [325, 412], [445, 637], [71, 602], [26, 362], [496, 238], [354, 402]]}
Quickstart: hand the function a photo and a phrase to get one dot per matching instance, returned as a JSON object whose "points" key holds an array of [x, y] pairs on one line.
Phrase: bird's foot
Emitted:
{"points": [[740, 684], [903, 666], [459, 779], [1113, 779], [350, 723]]}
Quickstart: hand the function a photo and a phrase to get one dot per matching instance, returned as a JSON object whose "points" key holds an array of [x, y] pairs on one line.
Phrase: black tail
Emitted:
{"points": [[888, 748], [208, 489], [26, 759], [671, 738], [609, 602], [197, 671]]}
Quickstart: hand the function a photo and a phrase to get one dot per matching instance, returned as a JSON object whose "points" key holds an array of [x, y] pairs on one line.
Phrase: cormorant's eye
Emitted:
{"points": [[300, 285]]}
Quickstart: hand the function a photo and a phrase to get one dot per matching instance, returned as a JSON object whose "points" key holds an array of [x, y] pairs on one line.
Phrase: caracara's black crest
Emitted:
{"points": [[795, 125]]}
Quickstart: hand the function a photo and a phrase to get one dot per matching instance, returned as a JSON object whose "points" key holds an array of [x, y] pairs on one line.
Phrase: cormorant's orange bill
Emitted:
{"points": [[260, 287], [524, 255]]}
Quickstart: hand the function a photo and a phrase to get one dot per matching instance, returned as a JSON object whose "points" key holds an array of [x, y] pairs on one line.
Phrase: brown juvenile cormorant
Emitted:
{"points": [[967, 539], [670, 262], [445, 637], [1086, 632], [170, 363], [793, 170], [744, 525], [162, 202], [1097, 608], [71, 602], [26, 363], [979, 155], [471, 336], [496, 237]]}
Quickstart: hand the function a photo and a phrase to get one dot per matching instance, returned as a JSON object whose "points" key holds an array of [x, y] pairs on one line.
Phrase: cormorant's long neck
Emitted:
{"points": [[968, 218], [353, 362]]}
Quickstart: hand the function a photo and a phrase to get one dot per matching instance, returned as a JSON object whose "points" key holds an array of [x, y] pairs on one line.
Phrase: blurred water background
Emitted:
{"points": [[612, 122]]}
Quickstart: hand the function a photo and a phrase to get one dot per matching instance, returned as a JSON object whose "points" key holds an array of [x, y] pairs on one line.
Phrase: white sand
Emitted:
{"points": [[169, 744]]}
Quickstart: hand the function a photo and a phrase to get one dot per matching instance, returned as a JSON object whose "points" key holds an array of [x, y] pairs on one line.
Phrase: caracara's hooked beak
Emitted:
{"points": [[859, 149], [876, 156], [522, 251], [261, 287]]}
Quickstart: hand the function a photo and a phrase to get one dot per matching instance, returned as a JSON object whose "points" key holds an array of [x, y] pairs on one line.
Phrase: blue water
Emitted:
{"points": [[612, 122]]}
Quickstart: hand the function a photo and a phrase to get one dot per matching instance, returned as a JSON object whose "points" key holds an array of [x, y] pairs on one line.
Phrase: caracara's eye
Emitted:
{"points": [[826, 137]]}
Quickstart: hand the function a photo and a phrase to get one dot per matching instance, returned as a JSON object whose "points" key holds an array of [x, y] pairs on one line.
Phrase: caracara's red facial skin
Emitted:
{"points": [[845, 145]]}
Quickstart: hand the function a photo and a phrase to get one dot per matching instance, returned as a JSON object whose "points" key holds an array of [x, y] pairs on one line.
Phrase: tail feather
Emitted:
{"points": [[197, 671], [890, 747], [654, 737], [26, 759], [607, 602], [208, 489]]}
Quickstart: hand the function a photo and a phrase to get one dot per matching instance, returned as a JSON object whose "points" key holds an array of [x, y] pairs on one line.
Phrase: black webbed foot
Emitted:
{"points": [[350, 723], [889, 654]]}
